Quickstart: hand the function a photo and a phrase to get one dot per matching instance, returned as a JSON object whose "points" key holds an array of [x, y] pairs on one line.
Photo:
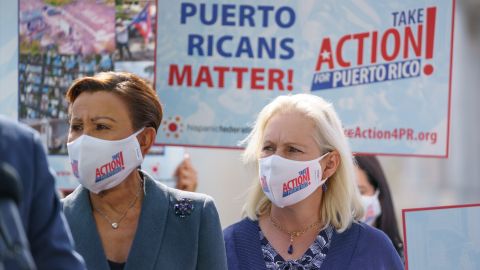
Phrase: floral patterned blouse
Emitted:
{"points": [[311, 260]]}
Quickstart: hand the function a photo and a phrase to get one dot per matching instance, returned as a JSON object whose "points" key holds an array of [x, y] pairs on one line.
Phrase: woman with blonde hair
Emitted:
{"points": [[302, 211]]}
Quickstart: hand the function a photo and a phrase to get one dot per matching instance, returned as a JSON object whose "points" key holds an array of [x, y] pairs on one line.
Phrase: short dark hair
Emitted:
{"points": [[143, 103], [387, 222]]}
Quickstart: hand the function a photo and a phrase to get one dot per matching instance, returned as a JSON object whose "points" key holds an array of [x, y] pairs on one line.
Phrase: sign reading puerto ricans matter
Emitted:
{"points": [[385, 66]]}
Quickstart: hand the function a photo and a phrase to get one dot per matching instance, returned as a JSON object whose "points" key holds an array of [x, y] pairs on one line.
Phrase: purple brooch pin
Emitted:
{"points": [[183, 207]]}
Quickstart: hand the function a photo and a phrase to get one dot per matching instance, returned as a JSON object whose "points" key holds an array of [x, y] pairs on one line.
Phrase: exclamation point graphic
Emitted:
{"points": [[120, 156], [290, 80], [430, 39]]}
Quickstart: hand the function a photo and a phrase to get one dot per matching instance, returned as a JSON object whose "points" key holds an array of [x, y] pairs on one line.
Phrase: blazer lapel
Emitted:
{"points": [[248, 246], [88, 241], [150, 230]]}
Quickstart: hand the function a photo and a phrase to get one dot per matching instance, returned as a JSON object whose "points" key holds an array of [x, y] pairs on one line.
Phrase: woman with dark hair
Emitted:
{"points": [[120, 217], [376, 199]]}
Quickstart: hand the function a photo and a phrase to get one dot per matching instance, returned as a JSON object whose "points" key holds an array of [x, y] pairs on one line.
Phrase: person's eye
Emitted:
{"points": [[102, 127], [267, 148], [294, 150], [76, 127]]}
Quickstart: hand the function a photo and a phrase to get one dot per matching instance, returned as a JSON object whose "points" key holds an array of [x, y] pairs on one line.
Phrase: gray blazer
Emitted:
{"points": [[163, 239]]}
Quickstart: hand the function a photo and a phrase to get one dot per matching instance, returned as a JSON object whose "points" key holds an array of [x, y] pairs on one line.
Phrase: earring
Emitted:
{"points": [[324, 187]]}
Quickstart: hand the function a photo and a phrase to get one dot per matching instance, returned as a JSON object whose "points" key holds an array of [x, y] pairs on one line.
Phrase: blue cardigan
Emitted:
{"points": [[359, 247]]}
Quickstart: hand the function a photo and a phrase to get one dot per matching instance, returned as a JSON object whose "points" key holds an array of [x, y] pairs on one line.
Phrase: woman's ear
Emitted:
{"points": [[146, 138], [330, 163]]}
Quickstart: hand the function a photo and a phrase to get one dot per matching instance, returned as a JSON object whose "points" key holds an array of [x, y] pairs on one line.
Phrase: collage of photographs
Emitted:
{"points": [[63, 40]]}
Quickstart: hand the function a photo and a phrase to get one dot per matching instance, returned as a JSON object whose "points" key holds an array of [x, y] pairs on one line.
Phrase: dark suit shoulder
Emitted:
{"points": [[16, 136], [16, 131]]}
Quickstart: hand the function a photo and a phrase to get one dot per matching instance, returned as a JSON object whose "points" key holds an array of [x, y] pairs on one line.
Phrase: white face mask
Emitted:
{"points": [[371, 206], [286, 182], [102, 164]]}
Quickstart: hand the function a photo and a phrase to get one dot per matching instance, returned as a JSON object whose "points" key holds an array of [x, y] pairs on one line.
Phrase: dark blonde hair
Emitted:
{"points": [[142, 101]]}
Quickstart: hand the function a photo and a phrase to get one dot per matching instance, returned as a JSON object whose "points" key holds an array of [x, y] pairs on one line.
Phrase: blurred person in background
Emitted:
{"points": [[302, 211], [377, 200], [186, 175], [122, 38], [120, 217]]}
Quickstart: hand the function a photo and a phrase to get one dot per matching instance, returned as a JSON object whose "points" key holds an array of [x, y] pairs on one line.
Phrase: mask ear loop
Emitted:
{"points": [[139, 131], [324, 186], [138, 152]]}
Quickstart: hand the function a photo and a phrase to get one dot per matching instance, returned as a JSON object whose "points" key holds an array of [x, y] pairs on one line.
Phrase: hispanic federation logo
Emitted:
{"points": [[173, 127]]}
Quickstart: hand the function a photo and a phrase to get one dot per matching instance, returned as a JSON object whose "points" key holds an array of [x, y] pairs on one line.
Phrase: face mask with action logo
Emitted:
{"points": [[103, 164], [286, 182], [371, 206]]}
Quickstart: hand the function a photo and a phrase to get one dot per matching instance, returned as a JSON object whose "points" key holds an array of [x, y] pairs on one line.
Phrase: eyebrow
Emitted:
{"points": [[102, 117], [95, 118], [287, 143], [297, 144]]}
